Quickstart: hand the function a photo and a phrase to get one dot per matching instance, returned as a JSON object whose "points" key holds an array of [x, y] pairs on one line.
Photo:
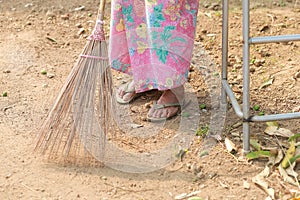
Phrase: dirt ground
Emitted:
{"points": [[49, 35]]}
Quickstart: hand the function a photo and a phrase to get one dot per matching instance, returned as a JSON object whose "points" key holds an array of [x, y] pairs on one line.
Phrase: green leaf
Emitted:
{"points": [[255, 144], [216, 73], [202, 131], [294, 137], [4, 94], [256, 107], [202, 106], [293, 159], [43, 71], [258, 154], [185, 114], [203, 153]]}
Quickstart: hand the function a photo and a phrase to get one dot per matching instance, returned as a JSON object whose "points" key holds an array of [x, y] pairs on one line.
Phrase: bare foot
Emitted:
{"points": [[175, 95]]}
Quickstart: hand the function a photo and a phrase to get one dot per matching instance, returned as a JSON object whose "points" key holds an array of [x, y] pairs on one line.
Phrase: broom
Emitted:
{"points": [[83, 113]]}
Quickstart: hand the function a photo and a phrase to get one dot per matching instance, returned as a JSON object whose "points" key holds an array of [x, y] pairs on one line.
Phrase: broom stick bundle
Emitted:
{"points": [[83, 113]]}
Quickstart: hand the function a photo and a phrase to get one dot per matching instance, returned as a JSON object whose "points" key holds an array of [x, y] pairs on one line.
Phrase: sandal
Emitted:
{"points": [[162, 106], [120, 100]]}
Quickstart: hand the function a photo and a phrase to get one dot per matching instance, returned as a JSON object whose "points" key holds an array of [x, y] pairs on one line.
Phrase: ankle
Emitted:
{"points": [[175, 95], [178, 93]]}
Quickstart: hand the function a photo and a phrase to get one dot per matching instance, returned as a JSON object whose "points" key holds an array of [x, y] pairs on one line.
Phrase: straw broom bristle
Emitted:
{"points": [[83, 112]]}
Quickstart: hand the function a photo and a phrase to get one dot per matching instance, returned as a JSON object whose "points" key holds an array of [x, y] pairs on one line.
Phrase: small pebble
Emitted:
{"points": [[235, 133], [246, 185], [148, 105], [252, 69], [134, 109], [7, 71], [50, 75], [8, 176], [195, 168], [78, 25], [28, 5], [65, 17], [144, 119], [81, 31], [50, 14]]}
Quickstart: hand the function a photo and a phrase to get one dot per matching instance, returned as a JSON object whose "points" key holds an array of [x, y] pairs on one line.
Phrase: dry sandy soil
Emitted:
{"points": [[37, 35]]}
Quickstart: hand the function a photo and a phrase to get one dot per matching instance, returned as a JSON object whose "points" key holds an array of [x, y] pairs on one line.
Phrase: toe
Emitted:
{"points": [[164, 113], [151, 112], [172, 111], [127, 96]]}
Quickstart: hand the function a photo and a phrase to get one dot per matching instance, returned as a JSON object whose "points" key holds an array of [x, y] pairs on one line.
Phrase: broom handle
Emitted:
{"points": [[101, 10], [98, 32]]}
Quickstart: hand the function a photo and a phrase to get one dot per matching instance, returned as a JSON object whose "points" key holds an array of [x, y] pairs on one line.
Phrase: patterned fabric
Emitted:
{"points": [[152, 40]]}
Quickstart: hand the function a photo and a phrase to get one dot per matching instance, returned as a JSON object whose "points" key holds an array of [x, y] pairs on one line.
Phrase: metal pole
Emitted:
{"points": [[277, 38], [246, 77], [224, 48], [284, 116], [232, 98]]}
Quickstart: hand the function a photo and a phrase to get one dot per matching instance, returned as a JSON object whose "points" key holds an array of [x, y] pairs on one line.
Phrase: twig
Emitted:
{"points": [[29, 188], [128, 190], [294, 176], [272, 18], [177, 168]]}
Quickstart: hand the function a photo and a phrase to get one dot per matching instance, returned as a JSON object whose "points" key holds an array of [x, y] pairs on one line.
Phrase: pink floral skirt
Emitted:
{"points": [[153, 40]]}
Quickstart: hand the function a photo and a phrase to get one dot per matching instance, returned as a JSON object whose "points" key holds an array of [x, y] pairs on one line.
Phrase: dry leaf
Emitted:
{"points": [[230, 146], [272, 123], [279, 157], [267, 83], [265, 173], [286, 177], [274, 130], [259, 180], [291, 172]]}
